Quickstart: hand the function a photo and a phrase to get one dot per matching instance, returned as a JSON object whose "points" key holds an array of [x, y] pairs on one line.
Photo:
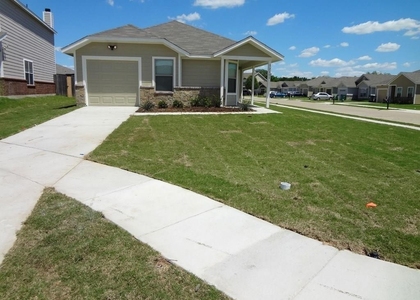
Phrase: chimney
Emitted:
{"points": [[48, 17]]}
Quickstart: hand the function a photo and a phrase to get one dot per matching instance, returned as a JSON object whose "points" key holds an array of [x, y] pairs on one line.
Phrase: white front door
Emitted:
{"points": [[231, 83]]}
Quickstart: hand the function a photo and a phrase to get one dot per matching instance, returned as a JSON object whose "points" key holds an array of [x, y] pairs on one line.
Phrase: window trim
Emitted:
{"points": [[396, 91], [154, 58], [25, 72], [408, 88]]}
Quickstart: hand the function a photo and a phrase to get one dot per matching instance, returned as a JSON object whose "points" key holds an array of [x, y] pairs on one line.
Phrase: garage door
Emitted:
{"points": [[112, 82]]}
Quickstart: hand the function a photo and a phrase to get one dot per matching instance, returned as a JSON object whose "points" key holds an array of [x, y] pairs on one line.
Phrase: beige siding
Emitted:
{"points": [[247, 50], [200, 73], [27, 39], [146, 52], [403, 82]]}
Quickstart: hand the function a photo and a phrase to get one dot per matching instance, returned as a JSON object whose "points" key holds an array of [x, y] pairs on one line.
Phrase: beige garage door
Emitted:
{"points": [[112, 82]]}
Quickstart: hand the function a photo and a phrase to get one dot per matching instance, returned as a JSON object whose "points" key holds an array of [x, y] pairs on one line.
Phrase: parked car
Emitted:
{"points": [[322, 95], [276, 94], [247, 92]]}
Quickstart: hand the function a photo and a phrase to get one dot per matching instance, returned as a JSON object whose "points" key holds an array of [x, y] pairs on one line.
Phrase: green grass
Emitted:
{"points": [[240, 160], [20, 114], [65, 250]]}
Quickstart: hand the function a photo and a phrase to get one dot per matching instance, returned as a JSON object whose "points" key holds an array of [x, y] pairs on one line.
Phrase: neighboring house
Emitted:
{"points": [[27, 58], [405, 88], [367, 85], [128, 65]]}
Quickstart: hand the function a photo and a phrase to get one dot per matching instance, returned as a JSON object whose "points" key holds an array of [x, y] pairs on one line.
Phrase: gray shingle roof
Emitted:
{"points": [[375, 79], [413, 76], [59, 69], [127, 31], [193, 40]]}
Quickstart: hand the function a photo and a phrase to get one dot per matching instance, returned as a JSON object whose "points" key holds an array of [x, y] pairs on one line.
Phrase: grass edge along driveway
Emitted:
{"points": [[65, 250], [335, 166]]}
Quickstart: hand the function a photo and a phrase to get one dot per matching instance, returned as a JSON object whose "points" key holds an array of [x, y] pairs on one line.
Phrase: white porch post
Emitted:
{"points": [[222, 82], [179, 71], [267, 99], [253, 87]]}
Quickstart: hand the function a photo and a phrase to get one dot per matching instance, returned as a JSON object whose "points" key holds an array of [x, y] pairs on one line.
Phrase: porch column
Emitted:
{"points": [[222, 84], [267, 98], [179, 71], [252, 88]]}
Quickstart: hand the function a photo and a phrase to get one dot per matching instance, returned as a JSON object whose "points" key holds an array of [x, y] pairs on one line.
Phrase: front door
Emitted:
{"points": [[231, 83]]}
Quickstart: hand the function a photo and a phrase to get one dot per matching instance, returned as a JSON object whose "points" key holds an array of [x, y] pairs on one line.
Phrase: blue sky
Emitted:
{"points": [[324, 37]]}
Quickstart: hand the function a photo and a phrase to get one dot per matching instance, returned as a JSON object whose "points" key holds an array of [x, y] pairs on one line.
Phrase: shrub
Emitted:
{"points": [[162, 104], [202, 101], [245, 105], [177, 104], [148, 105]]}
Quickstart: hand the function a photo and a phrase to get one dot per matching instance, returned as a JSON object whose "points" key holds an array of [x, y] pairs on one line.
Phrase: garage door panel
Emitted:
{"points": [[112, 82]]}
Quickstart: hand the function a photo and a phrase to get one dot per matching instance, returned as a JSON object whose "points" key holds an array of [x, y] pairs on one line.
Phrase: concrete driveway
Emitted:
{"points": [[243, 256], [392, 115]]}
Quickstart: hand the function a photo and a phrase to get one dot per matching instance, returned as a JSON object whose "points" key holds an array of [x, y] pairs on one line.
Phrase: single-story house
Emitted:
{"points": [[171, 61], [405, 88], [367, 85]]}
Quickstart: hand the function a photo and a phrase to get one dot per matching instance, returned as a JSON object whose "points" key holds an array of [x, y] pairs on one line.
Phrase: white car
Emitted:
{"points": [[322, 95]]}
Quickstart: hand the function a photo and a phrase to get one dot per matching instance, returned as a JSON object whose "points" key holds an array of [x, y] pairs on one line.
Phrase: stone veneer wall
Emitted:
{"points": [[19, 87], [80, 95], [183, 94]]}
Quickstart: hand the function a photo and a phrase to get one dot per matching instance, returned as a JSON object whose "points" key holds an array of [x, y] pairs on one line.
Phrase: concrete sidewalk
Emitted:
{"points": [[243, 256], [393, 115]]}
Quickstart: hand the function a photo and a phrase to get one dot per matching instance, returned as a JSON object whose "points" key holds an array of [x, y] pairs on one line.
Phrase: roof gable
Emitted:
{"points": [[195, 41], [127, 31]]}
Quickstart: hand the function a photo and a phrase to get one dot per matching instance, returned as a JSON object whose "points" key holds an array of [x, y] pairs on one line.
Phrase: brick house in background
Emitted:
{"points": [[27, 58]]}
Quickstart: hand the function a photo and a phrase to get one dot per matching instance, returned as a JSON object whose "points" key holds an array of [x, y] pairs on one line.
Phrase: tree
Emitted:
{"points": [[248, 83]]}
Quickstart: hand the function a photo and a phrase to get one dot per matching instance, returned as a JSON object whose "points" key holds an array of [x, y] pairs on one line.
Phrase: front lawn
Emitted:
{"points": [[335, 166], [20, 114], [65, 250]]}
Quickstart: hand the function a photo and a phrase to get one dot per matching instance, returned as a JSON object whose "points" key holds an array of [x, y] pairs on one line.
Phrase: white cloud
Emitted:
{"points": [[250, 32], [378, 66], [335, 62], [327, 46], [293, 65], [415, 38], [344, 44], [407, 64], [218, 3], [324, 73], [309, 52], [388, 47], [411, 26], [110, 2], [279, 18], [57, 48], [187, 18], [366, 57], [292, 48]]}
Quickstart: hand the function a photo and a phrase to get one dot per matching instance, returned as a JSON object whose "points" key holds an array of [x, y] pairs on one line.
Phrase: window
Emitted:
{"points": [[363, 92], [29, 72], [399, 91], [410, 91], [164, 74], [232, 78]]}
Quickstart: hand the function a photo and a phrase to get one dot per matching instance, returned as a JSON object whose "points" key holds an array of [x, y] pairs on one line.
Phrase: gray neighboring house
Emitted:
{"points": [[171, 61], [27, 58]]}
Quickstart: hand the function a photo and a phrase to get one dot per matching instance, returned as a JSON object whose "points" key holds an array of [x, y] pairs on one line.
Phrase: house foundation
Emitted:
{"points": [[19, 87]]}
